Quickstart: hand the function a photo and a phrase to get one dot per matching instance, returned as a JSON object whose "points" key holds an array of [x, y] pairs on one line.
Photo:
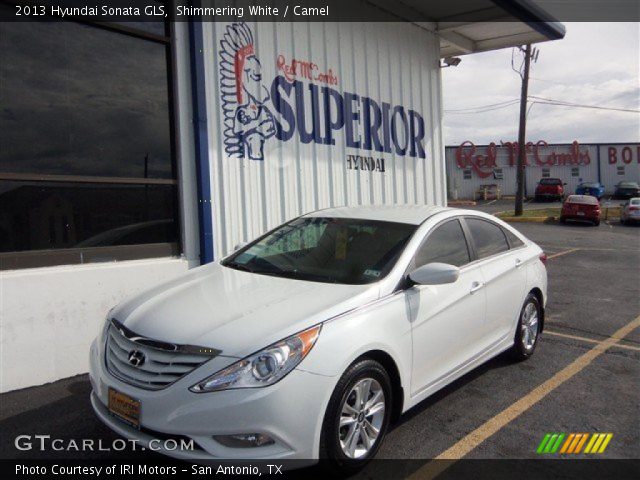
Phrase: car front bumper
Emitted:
{"points": [[290, 412]]}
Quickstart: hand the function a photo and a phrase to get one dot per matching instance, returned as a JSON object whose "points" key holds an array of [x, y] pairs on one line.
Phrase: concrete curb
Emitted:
{"points": [[528, 219]]}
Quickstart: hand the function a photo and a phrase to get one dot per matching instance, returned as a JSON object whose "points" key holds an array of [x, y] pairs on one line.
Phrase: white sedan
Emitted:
{"points": [[630, 211], [307, 342]]}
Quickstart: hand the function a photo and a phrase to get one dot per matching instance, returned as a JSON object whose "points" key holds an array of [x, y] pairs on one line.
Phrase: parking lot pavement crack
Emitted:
{"points": [[464, 446]]}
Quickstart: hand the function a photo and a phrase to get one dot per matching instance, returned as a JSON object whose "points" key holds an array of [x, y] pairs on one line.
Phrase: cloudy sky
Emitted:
{"points": [[595, 64]]}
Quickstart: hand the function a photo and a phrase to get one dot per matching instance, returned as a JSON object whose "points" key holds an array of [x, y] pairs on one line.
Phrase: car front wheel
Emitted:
{"points": [[357, 417], [528, 330]]}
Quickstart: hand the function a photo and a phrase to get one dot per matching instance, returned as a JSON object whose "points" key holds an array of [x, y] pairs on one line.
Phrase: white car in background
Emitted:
{"points": [[630, 211], [307, 342]]}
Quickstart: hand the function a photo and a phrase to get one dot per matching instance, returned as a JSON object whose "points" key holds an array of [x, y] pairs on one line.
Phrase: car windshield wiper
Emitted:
{"points": [[303, 276], [240, 266]]}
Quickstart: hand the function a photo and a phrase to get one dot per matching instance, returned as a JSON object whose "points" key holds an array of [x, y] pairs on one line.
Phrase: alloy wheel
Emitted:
{"points": [[361, 418], [529, 326]]}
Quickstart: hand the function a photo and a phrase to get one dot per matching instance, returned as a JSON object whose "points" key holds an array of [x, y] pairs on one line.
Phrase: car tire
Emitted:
{"points": [[596, 223], [526, 339], [563, 220], [334, 449]]}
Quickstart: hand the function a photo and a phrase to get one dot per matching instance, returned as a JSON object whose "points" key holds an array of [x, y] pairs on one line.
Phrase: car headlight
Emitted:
{"points": [[263, 368], [105, 326]]}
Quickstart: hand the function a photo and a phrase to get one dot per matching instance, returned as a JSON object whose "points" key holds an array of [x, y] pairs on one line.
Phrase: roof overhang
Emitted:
{"points": [[470, 26]]}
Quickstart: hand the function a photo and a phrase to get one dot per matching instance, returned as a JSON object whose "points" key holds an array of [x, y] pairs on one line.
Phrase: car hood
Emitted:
{"points": [[234, 311]]}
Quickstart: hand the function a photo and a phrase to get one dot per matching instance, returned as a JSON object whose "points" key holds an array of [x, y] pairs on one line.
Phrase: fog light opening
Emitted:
{"points": [[246, 440]]}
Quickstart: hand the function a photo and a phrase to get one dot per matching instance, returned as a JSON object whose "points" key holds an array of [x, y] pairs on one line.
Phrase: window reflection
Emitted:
{"points": [[80, 100], [37, 216]]}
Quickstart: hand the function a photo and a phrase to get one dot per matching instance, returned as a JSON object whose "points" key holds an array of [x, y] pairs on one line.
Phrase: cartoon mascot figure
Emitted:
{"points": [[247, 120]]}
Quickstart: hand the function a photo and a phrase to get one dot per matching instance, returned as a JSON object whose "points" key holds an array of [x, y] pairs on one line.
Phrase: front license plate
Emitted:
{"points": [[124, 407], [581, 214]]}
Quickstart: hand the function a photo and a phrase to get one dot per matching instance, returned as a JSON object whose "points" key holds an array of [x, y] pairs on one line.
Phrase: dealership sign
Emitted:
{"points": [[302, 104], [536, 154]]}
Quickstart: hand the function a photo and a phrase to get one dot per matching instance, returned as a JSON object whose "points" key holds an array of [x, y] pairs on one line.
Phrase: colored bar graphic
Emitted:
{"points": [[592, 442], [543, 443], [581, 443], [607, 439], [558, 442], [565, 447], [572, 443]]}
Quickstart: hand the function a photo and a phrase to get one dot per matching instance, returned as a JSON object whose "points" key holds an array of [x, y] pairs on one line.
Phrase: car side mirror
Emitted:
{"points": [[239, 246], [435, 274]]}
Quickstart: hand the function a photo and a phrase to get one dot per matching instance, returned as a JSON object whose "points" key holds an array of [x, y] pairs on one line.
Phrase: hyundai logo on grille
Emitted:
{"points": [[136, 358]]}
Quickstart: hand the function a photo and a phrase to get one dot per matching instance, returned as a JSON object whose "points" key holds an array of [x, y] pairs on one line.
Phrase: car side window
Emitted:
{"points": [[513, 239], [446, 244], [489, 239]]}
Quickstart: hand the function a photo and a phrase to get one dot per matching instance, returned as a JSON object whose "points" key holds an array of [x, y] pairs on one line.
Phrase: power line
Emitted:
{"points": [[539, 100], [483, 108], [551, 101]]}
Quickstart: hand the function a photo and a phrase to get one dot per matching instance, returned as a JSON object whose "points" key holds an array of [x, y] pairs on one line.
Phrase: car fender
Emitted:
{"points": [[382, 325], [537, 278]]}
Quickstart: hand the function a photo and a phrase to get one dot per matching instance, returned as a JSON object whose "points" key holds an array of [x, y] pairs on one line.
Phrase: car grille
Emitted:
{"points": [[147, 363]]}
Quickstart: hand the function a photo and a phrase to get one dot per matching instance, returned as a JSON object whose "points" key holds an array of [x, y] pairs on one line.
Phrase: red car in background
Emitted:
{"points": [[581, 207], [550, 189]]}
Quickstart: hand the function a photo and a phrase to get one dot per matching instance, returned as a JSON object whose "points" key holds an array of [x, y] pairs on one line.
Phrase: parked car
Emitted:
{"points": [[595, 189], [626, 190], [308, 341], [630, 211], [550, 189], [584, 208]]}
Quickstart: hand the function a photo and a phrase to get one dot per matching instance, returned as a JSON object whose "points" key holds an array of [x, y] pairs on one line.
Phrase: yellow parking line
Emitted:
{"points": [[490, 427], [588, 340], [559, 254]]}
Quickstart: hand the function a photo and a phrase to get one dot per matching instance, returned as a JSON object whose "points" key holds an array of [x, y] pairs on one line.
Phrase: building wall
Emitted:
{"points": [[287, 177], [619, 162], [469, 166], [49, 316]]}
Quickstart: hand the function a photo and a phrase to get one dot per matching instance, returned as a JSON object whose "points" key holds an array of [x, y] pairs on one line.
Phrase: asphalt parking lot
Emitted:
{"points": [[583, 377]]}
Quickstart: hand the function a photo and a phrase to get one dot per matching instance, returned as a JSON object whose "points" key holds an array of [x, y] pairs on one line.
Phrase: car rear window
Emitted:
{"points": [[488, 237], [583, 199], [634, 201], [550, 181], [590, 185]]}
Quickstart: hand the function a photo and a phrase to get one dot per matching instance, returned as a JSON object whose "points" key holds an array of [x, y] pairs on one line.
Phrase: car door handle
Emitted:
{"points": [[475, 286], [518, 263]]}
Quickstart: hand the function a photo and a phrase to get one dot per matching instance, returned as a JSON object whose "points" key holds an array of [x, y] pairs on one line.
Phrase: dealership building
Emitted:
{"points": [[473, 170], [134, 152]]}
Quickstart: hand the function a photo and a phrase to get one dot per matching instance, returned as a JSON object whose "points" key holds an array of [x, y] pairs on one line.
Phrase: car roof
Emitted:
{"points": [[412, 214]]}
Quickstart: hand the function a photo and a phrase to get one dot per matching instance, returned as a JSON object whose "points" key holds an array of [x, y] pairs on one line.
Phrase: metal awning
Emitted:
{"points": [[470, 26]]}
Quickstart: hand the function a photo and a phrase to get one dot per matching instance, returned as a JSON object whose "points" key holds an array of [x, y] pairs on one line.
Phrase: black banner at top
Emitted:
{"points": [[432, 11]]}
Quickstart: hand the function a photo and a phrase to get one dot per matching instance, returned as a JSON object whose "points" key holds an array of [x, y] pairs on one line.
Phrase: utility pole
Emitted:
{"points": [[522, 132]]}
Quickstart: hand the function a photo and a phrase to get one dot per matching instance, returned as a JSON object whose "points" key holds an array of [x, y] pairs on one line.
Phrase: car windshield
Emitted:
{"points": [[634, 201], [582, 199], [550, 181], [590, 185], [322, 249], [628, 185]]}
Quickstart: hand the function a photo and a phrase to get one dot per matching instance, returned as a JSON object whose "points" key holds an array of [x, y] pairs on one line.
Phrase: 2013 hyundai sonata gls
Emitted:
{"points": [[305, 343]]}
